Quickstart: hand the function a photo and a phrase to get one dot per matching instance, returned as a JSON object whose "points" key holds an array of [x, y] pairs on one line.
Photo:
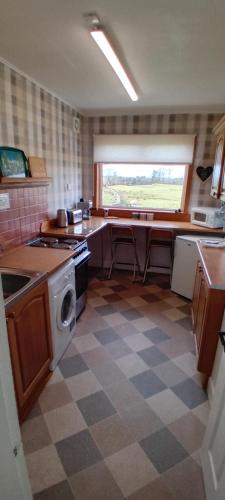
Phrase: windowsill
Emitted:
{"points": [[158, 214]]}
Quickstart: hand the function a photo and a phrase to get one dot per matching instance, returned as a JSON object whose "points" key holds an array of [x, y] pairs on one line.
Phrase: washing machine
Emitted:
{"points": [[62, 302]]}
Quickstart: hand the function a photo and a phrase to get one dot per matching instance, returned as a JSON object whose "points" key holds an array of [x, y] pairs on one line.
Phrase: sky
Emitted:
{"points": [[133, 170]]}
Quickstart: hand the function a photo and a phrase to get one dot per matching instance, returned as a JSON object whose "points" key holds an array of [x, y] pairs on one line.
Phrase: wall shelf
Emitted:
{"points": [[17, 182]]}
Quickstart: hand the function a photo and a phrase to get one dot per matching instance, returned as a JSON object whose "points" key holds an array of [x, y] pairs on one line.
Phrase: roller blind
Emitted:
{"points": [[154, 148]]}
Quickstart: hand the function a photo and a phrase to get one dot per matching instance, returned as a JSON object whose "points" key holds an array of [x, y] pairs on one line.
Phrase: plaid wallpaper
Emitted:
{"points": [[200, 124], [42, 125]]}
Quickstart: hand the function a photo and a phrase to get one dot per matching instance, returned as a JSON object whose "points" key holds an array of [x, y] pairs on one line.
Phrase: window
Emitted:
{"points": [[146, 186], [143, 171]]}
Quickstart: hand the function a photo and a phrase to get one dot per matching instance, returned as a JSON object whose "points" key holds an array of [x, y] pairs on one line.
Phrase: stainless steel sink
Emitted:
{"points": [[16, 282]]}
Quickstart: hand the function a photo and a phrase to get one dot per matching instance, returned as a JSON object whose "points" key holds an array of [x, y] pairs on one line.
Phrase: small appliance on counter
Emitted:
{"points": [[85, 206], [74, 216], [62, 219], [207, 217]]}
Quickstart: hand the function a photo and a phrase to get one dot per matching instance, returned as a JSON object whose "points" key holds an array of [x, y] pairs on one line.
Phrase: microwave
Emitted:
{"points": [[207, 217]]}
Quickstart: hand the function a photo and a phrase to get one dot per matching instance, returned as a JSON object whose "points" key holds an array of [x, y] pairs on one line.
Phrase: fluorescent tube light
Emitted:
{"points": [[103, 43]]}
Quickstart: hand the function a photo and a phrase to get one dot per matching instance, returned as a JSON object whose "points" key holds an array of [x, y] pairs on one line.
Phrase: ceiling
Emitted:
{"points": [[173, 50]]}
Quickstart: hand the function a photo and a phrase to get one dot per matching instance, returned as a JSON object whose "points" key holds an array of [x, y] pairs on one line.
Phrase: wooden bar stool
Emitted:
{"points": [[123, 235], [159, 238]]}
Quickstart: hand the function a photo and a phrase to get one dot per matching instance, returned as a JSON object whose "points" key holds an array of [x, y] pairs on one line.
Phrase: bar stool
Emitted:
{"points": [[123, 235], [159, 238]]}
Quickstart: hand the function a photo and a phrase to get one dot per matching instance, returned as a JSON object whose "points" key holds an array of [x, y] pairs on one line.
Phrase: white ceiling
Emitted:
{"points": [[173, 49]]}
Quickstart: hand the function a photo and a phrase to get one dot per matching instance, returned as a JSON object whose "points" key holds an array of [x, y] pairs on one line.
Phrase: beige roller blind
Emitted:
{"points": [[154, 148]]}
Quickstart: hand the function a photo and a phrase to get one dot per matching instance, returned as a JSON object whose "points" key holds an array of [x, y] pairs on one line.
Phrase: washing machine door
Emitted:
{"points": [[66, 307]]}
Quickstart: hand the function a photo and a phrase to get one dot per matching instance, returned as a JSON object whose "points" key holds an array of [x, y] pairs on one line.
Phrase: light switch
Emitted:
{"points": [[4, 201]]}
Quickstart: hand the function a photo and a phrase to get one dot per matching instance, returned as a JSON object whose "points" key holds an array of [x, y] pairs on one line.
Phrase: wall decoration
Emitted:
{"points": [[204, 172], [13, 162]]}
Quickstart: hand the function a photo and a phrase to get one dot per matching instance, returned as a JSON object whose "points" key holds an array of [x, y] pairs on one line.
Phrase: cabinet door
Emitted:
{"points": [[202, 303], [195, 300], [217, 169], [30, 345]]}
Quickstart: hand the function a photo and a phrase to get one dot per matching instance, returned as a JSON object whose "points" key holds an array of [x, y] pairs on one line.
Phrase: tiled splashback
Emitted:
{"points": [[28, 207], [199, 124], [41, 125]]}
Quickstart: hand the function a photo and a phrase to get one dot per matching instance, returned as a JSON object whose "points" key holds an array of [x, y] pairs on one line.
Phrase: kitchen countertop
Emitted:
{"points": [[46, 260], [213, 261], [94, 224]]}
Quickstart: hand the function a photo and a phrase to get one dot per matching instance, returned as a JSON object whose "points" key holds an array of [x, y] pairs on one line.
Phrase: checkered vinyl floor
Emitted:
{"points": [[124, 414]]}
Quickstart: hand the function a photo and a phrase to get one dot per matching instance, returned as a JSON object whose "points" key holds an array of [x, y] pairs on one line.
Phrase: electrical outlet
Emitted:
{"points": [[4, 201]]}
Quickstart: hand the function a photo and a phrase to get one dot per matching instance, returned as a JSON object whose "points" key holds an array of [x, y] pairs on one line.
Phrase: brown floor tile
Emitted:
{"points": [[95, 483], [60, 491], [35, 434], [189, 431], [156, 490], [111, 435], [53, 396], [185, 480]]}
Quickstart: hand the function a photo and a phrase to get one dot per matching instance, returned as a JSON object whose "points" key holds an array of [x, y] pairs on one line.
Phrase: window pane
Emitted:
{"points": [[143, 186]]}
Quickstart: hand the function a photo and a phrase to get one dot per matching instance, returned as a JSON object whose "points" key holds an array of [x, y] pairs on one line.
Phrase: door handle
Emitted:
{"points": [[222, 339]]}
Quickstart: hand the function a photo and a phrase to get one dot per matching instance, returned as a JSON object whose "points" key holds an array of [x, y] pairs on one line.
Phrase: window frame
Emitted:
{"points": [[97, 189]]}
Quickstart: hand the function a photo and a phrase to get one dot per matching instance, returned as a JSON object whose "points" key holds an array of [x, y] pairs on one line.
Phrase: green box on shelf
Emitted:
{"points": [[13, 162]]}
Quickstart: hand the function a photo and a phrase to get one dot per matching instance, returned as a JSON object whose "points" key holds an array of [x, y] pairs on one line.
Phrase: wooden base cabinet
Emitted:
{"points": [[207, 313], [29, 334]]}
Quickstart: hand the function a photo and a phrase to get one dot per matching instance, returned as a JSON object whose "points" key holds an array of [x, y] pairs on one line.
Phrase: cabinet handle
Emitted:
{"points": [[222, 339]]}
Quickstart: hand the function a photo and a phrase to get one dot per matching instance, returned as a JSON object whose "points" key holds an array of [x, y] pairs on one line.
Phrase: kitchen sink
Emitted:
{"points": [[16, 282]]}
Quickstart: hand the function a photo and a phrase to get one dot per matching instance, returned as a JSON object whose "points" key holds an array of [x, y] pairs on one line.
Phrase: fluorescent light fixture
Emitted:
{"points": [[103, 43]]}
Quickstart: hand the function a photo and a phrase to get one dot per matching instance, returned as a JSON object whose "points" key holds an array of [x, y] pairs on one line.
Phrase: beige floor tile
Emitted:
{"points": [[152, 289], [136, 301], [167, 406], [115, 319], [138, 342], [202, 412], [175, 301], [131, 469], [104, 291], [111, 434], [83, 385], [44, 468], [131, 365], [189, 431], [55, 377], [187, 363], [70, 351], [64, 421], [174, 347], [54, 395], [174, 314], [97, 301], [86, 343], [143, 324]]}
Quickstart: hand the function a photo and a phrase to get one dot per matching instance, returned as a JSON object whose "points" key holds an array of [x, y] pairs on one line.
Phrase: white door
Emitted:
{"points": [[14, 482], [213, 449]]}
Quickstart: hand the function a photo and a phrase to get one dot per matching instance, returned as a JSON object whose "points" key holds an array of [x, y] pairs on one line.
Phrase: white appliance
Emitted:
{"points": [[62, 299], [207, 217], [185, 262]]}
